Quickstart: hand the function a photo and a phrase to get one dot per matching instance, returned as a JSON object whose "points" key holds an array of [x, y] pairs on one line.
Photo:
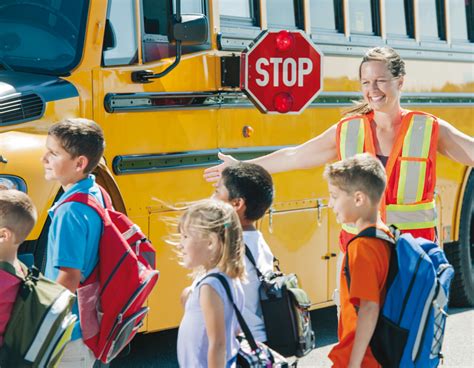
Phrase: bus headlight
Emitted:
{"points": [[12, 182]]}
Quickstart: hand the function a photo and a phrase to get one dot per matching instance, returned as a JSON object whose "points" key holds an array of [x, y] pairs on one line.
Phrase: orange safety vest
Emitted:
{"points": [[411, 171]]}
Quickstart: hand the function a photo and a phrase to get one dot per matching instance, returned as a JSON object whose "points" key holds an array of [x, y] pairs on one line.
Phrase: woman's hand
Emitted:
{"points": [[213, 174]]}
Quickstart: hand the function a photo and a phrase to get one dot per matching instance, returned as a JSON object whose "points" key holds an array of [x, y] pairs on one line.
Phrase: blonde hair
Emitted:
{"points": [[395, 65], [212, 216], [17, 213], [362, 172]]}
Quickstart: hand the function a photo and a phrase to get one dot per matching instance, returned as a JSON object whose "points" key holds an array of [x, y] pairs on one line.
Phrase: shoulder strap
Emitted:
{"points": [[9, 268], [243, 325], [91, 201], [373, 232], [249, 255]]}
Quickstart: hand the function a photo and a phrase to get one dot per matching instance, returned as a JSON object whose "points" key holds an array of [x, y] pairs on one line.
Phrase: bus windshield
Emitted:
{"points": [[42, 36]]}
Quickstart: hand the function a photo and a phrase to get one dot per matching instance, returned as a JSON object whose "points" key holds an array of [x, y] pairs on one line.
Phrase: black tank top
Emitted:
{"points": [[383, 160]]}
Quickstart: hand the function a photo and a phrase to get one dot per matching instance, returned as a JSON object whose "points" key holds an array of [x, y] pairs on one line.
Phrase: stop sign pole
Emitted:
{"points": [[282, 72]]}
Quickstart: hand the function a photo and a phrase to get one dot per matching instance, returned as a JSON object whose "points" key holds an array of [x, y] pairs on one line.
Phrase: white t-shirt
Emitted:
{"points": [[264, 258]]}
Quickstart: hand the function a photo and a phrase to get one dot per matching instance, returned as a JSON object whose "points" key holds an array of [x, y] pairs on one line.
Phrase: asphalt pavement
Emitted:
{"points": [[159, 349]]}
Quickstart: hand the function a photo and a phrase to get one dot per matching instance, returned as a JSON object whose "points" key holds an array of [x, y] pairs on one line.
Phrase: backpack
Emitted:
{"points": [[252, 353], [285, 309], [40, 324], [111, 299], [410, 328]]}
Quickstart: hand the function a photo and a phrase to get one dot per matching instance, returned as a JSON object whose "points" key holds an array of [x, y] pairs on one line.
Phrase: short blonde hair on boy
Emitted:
{"points": [[17, 213], [213, 216], [362, 172]]}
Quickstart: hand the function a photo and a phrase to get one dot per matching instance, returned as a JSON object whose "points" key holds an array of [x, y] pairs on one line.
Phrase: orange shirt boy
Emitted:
{"points": [[356, 186]]}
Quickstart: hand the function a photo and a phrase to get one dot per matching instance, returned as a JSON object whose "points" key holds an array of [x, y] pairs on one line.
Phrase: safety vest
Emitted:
{"points": [[411, 167]]}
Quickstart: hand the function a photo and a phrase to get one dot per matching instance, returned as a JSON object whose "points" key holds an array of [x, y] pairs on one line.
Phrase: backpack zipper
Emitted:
{"points": [[412, 281], [119, 263], [127, 305]]}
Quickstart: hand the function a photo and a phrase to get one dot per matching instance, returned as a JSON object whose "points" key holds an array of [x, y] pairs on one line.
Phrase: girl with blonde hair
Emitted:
{"points": [[211, 242]]}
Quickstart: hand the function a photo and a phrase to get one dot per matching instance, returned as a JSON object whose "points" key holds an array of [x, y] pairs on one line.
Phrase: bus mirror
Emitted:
{"points": [[188, 29], [192, 30]]}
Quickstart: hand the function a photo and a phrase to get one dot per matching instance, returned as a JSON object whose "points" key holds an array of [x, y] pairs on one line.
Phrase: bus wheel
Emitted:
{"points": [[461, 253]]}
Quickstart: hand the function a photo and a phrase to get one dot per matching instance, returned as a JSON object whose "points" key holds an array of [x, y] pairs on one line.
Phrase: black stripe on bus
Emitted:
{"points": [[140, 102], [161, 162]]}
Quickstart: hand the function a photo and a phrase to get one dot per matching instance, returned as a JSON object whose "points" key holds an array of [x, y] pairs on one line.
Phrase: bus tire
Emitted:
{"points": [[461, 253]]}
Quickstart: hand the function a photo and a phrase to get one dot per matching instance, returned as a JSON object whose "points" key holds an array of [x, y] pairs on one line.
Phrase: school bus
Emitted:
{"points": [[161, 78]]}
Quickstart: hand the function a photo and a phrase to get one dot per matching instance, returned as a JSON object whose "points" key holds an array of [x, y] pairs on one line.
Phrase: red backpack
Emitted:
{"points": [[111, 299]]}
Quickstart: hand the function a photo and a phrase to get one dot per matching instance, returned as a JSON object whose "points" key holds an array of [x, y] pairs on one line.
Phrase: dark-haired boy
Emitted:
{"points": [[17, 219], [249, 188], [74, 148], [356, 186]]}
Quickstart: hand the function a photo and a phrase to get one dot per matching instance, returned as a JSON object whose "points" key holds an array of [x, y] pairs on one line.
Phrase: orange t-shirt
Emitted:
{"points": [[368, 265]]}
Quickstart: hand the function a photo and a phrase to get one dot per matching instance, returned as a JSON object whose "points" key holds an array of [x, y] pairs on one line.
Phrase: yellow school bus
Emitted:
{"points": [[161, 78]]}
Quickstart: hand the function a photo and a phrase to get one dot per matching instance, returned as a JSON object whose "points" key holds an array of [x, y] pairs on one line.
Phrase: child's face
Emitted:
{"points": [[221, 193], [343, 205], [196, 248], [59, 164]]}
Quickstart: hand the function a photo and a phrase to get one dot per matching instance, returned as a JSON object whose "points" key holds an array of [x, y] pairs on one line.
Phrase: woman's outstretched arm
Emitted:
{"points": [[315, 152], [455, 144]]}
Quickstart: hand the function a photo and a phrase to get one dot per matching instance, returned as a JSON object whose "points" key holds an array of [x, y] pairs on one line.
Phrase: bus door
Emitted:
{"points": [[158, 134], [296, 228]]}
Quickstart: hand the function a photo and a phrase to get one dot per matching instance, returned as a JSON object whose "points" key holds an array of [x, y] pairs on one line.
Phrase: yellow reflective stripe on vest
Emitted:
{"points": [[411, 181], [350, 229], [350, 146], [412, 216]]}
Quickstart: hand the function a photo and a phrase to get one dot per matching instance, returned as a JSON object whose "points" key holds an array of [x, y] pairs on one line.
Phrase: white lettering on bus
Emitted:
{"points": [[292, 71]]}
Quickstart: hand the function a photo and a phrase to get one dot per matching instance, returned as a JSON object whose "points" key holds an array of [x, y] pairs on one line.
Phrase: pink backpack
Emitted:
{"points": [[111, 299]]}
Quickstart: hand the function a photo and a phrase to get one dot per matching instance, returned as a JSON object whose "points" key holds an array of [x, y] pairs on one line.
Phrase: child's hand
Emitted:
{"points": [[185, 295], [213, 174]]}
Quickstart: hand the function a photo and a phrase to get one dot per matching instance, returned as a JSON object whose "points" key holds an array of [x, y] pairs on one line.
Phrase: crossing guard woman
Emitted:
{"points": [[405, 141]]}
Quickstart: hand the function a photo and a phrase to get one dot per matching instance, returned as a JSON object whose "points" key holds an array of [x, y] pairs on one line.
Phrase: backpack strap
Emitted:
{"points": [[91, 201], [9, 268], [248, 254], [374, 232], [243, 325]]}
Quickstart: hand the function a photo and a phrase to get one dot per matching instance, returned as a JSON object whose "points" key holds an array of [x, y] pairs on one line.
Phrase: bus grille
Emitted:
{"points": [[20, 108]]}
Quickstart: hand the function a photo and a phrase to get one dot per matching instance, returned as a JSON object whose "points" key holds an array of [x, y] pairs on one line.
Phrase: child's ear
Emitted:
{"points": [[360, 199], [81, 163], [213, 241], [238, 204], [5, 234]]}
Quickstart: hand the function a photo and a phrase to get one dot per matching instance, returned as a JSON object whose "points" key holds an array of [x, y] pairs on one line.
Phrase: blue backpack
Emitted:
{"points": [[410, 328]]}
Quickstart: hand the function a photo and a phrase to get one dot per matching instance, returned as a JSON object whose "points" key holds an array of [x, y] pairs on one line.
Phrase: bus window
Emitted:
{"points": [[398, 19], [430, 17], [156, 22], [458, 20], [362, 16], [323, 16], [120, 36], [238, 12], [284, 14]]}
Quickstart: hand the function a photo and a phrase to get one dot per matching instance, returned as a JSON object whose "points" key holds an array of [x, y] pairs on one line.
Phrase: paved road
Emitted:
{"points": [[159, 350]]}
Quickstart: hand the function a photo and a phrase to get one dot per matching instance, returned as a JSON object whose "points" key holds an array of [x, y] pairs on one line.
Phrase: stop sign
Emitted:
{"points": [[282, 72]]}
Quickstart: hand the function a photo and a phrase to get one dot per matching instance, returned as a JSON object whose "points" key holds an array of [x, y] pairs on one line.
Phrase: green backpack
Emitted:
{"points": [[41, 322]]}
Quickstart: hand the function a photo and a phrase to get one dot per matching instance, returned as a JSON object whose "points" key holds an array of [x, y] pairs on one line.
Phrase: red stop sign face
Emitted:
{"points": [[282, 72]]}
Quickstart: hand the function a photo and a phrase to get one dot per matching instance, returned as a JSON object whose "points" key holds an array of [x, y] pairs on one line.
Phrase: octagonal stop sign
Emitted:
{"points": [[282, 72]]}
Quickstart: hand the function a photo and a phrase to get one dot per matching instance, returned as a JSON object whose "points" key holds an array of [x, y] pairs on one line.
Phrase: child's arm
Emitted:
{"points": [[213, 312], [69, 278], [366, 321], [185, 295]]}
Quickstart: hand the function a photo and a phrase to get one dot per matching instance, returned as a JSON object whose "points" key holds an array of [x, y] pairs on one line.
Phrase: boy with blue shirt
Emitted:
{"points": [[74, 148]]}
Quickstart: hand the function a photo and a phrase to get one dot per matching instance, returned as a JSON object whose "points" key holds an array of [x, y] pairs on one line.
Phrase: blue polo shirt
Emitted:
{"points": [[74, 236]]}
